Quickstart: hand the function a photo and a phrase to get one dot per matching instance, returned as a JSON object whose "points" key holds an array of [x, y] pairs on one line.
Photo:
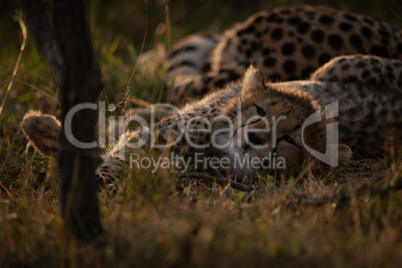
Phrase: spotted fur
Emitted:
{"points": [[286, 43]]}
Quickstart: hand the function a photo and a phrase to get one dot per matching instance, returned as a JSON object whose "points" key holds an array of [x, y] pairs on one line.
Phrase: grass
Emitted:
{"points": [[152, 223]]}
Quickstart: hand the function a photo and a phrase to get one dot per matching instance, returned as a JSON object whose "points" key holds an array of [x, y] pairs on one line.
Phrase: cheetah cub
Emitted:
{"points": [[351, 104]]}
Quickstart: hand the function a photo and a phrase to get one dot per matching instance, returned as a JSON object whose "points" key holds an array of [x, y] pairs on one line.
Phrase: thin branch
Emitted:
{"points": [[220, 180], [342, 200]]}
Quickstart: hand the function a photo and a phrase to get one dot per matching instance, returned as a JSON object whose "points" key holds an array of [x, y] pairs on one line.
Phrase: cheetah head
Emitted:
{"points": [[266, 133]]}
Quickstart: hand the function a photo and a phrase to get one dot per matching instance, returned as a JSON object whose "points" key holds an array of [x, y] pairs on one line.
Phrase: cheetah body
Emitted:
{"points": [[286, 43]]}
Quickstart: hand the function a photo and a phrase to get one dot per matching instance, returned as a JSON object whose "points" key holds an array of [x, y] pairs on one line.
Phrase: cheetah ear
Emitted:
{"points": [[253, 80]]}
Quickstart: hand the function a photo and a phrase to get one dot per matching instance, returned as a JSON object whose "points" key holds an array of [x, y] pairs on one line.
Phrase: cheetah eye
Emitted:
{"points": [[260, 111], [288, 139]]}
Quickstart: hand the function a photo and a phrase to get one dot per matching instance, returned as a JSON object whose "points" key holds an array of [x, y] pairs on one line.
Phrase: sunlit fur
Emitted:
{"points": [[294, 106], [43, 131]]}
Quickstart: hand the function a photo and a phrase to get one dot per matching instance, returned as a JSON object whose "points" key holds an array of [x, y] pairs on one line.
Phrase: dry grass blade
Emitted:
{"points": [[142, 46], [18, 16], [34, 87]]}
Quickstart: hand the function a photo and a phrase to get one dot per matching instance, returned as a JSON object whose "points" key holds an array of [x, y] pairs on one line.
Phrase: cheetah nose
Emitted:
{"points": [[255, 139]]}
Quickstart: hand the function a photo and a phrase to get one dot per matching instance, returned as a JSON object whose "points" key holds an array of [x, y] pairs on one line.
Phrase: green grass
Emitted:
{"points": [[150, 222]]}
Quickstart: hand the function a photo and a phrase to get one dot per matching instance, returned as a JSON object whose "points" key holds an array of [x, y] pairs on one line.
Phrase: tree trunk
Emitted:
{"points": [[69, 53]]}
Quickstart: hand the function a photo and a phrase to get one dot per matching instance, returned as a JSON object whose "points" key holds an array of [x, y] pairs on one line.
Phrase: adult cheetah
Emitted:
{"points": [[286, 43]]}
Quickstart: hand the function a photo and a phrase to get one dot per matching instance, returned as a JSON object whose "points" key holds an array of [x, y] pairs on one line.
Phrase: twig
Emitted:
{"points": [[144, 104], [220, 180], [342, 200]]}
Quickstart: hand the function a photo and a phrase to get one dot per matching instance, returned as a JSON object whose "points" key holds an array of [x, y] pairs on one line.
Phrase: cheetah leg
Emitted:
{"points": [[108, 172], [43, 130]]}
